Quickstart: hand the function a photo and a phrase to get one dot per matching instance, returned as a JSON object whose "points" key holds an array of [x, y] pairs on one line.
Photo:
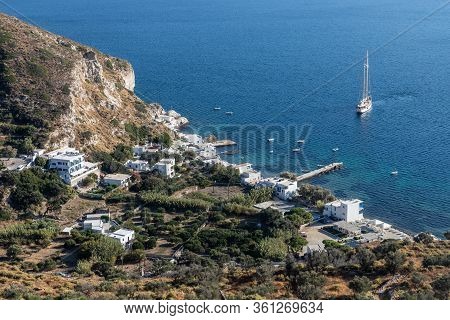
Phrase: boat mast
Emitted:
{"points": [[366, 77]]}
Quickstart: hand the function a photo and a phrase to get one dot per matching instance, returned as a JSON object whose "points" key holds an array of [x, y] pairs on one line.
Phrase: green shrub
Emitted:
{"points": [[36, 70], [47, 265], [273, 248], [134, 256], [103, 249], [38, 232], [438, 260], [13, 252], [157, 200], [83, 267], [5, 214]]}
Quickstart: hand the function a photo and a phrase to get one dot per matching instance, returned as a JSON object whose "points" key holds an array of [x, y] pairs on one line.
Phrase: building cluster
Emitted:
{"points": [[284, 189], [100, 222], [171, 119], [349, 220]]}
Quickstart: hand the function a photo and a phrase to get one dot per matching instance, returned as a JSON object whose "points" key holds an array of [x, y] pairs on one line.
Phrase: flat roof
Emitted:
{"points": [[246, 164], [286, 183], [123, 232], [138, 161], [67, 156], [347, 226], [117, 176], [339, 202]]}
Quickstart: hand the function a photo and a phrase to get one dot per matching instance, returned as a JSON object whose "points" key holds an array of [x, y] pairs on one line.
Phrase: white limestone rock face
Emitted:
{"points": [[129, 78]]}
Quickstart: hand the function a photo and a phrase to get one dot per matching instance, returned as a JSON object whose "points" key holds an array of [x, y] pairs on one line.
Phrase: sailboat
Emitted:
{"points": [[366, 102]]}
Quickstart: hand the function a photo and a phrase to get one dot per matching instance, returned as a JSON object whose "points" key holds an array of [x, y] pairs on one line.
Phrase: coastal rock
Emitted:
{"points": [[65, 93]]}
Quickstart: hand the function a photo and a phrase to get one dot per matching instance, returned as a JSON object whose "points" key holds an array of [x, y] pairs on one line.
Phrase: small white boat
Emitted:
{"points": [[217, 108], [229, 113], [271, 151], [394, 173], [335, 149], [305, 171], [296, 150], [300, 141], [270, 140], [320, 166]]}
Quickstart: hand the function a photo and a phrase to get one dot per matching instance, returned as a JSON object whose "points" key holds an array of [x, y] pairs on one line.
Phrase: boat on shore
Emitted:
{"points": [[366, 102]]}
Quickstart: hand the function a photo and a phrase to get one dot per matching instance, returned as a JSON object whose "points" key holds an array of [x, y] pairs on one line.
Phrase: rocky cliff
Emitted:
{"points": [[55, 92]]}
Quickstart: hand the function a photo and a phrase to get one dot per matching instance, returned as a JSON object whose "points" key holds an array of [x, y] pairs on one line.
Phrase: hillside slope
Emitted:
{"points": [[57, 92]]}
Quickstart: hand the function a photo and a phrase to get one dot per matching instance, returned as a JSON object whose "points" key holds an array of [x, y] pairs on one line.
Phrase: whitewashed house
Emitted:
{"points": [[346, 210], [286, 189], [70, 165], [207, 151], [250, 178], [138, 150], [96, 225], [117, 180], [137, 165], [243, 167], [194, 139], [123, 236], [166, 167], [268, 182]]}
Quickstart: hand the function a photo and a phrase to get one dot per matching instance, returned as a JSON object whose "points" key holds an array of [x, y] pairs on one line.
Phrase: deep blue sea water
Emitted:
{"points": [[287, 65]]}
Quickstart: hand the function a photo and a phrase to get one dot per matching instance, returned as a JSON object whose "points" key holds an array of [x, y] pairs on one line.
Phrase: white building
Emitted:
{"points": [[346, 210], [243, 167], [286, 189], [207, 151], [70, 165], [124, 236], [268, 182], [97, 226], [138, 150], [118, 180], [194, 139], [251, 177], [379, 224], [137, 165], [166, 167]]}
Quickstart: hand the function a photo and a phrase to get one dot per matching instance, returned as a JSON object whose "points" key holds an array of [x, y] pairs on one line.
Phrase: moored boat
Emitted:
{"points": [[366, 102]]}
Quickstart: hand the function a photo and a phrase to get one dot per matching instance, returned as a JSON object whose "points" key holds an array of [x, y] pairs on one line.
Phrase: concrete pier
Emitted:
{"points": [[320, 171]]}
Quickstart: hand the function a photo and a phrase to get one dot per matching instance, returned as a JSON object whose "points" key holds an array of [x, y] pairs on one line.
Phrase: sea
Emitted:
{"points": [[293, 70]]}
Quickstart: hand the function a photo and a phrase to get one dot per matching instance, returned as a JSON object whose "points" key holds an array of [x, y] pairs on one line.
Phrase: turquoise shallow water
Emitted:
{"points": [[274, 63]]}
